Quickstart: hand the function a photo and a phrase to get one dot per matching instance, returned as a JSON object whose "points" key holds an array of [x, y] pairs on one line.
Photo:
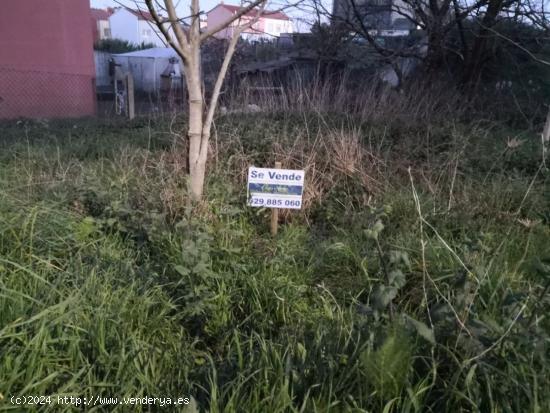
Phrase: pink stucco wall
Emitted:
{"points": [[46, 59]]}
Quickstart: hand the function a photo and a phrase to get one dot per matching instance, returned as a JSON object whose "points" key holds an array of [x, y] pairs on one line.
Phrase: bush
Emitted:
{"points": [[120, 46]]}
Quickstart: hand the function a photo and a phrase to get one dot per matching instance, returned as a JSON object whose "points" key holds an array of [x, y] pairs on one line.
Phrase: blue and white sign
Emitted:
{"points": [[275, 188]]}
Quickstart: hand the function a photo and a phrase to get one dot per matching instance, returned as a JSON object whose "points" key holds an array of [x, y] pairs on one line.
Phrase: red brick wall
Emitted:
{"points": [[46, 59]]}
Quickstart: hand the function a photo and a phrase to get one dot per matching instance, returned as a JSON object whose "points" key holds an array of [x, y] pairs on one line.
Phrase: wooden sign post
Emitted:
{"points": [[275, 188], [275, 212], [130, 111]]}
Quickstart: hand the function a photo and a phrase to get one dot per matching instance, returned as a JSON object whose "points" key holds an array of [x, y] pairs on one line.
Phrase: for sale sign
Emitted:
{"points": [[275, 188]]}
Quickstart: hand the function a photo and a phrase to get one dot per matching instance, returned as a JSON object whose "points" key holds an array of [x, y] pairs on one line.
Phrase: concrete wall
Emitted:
{"points": [[46, 70]]}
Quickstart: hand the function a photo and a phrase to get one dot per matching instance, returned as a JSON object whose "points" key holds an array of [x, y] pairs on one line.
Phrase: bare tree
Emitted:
{"points": [[473, 22], [188, 43]]}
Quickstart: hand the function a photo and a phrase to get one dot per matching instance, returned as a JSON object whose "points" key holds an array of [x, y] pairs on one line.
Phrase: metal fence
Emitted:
{"points": [[45, 94], [49, 94], [117, 99]]}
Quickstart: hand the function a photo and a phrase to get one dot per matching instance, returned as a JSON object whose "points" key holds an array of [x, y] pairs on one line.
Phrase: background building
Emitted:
{"points": [[269, 26], [100, 24], [46, 70], [135, 27], [381, 17]]}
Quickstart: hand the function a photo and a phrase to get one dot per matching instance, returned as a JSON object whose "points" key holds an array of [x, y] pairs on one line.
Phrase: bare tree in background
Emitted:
{"points": [[473, 22], [188, 43]]}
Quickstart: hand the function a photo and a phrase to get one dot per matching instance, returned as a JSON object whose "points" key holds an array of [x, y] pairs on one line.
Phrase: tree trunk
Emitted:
{"points": [[437, 20], [196, 180], [197, 163], [474, 65], [435, 54], [188, 47]]}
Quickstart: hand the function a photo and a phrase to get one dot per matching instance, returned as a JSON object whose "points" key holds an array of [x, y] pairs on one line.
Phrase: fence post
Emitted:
{"points": [[130, 93], [275, 212]]}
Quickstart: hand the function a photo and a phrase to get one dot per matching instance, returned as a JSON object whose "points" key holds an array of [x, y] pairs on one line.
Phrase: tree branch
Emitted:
{"points": [[159, 22], [221, 76], [176, 27]]}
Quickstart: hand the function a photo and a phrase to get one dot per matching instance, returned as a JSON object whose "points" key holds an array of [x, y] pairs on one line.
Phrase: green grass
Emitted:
{"points": [[415, 278]]}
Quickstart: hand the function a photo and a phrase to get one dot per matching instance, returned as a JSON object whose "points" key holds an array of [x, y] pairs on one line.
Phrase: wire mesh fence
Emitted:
{"points": [[45, 94], [49, 94], [113, 100]]}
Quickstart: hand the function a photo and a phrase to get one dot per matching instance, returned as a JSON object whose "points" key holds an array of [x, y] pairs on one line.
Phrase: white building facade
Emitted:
{"points": [[100, 24], [135, 27]]}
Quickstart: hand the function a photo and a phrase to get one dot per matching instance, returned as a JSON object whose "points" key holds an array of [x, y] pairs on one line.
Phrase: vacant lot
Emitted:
{"points": [[414, 279]]}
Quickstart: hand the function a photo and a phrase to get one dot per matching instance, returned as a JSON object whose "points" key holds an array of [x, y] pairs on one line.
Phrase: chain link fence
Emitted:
{"points": [[113, 100], [45, 94]]}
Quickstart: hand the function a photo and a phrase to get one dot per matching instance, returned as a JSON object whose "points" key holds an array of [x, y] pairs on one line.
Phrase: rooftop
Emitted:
{"points": [[141, 14], [101, 14]]}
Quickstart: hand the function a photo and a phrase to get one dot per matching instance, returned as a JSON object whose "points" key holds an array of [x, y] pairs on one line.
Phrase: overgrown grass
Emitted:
{"points": [[415, 278]]}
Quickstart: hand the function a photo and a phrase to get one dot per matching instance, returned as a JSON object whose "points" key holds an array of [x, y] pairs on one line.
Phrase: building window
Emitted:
{"points": [[107, 33]]}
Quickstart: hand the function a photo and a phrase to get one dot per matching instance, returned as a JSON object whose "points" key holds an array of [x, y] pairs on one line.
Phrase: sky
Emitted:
{"points": [[182, 7]]}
